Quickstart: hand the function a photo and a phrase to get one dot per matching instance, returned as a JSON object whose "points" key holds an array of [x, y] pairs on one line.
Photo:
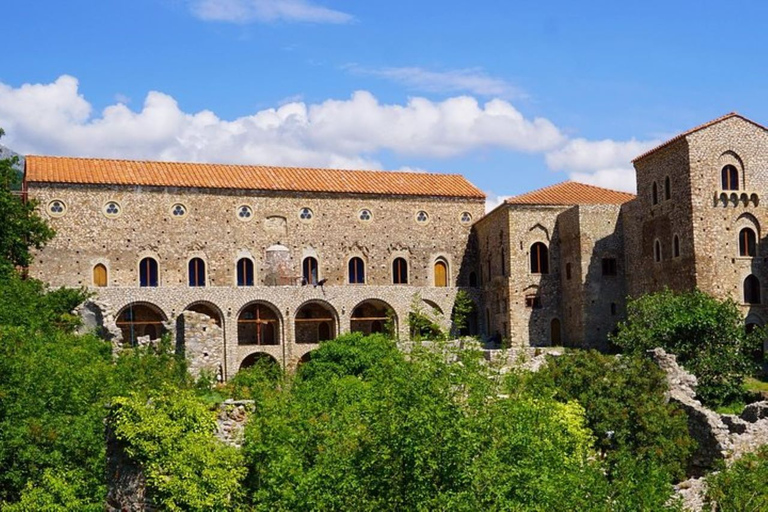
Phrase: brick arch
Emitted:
{"points": [[141, 318], [253, 328], [254, 357], [371, 314], [199, 306]]}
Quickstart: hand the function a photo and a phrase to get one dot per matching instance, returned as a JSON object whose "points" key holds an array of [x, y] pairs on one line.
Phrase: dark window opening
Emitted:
{"points": [[472, 280], [196, 272], [657, 251], [730, 178], [356, 271], [667, 191], [676, 247], [567, 270], [539, 259], [400, 271], [244, 272], [148, 272], [609, 267], [655, 193], [613, 308], [532, 301], [309, 270], [747, 242], [751, 290], [503, 262]]}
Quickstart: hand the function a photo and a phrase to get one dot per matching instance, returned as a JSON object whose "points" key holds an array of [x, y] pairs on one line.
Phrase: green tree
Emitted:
{"points": [[21, 228], [705, 333], [463, 308], [625, 406]]}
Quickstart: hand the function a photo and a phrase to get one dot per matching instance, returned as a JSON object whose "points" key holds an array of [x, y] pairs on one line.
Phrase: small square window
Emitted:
{"points": [[609, 267]]}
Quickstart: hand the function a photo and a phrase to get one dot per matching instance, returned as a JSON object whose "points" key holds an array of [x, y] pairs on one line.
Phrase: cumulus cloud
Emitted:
{"points": [[55, 118], [606, 163], [472, 80], [492, 200], [249, 11]]}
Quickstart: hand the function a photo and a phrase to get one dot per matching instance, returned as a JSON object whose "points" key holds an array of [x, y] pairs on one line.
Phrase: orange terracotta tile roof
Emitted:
{"points": [[94, 171], [694, 130], [572, 193]]}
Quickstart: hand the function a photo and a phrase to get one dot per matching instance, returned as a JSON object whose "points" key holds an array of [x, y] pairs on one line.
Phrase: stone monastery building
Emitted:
{"points": [[247, 262]]}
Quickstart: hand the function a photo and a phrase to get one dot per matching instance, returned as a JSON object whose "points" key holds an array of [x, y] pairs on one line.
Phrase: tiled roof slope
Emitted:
{"points": [[572, 193], [48, 169], [694, 130]]}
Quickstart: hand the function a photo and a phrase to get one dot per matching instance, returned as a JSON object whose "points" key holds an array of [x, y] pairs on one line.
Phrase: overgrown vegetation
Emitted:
{"points": [[705, 333], [423, 324], [741, 487]]}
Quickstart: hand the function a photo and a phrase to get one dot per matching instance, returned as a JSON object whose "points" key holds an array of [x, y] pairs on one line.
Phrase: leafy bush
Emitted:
{"points": [[706, 334], [625, 406], [741, 487], [171, 436]]}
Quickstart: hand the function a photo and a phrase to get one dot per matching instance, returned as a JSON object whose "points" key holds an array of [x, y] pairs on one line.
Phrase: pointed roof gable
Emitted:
{"points": [[571, 193], [95, 171], [696, 129]]}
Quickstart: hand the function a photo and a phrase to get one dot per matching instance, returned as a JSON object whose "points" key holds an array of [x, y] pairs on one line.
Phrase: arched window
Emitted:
{"points": [[472, 280], [539, 259], [655, 193], [567, 270], [99, 275], [667, 189], [244, 272], [196, 272], [441, 273], [657, 251], [400, 271], [676, 247], [148, 272], [356, 271], [730, 178], [309, 270], [751, 290], [747, 242]]}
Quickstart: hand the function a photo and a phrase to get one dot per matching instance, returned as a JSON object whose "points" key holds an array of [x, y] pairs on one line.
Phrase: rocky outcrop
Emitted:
{"points": [[99, 318]]}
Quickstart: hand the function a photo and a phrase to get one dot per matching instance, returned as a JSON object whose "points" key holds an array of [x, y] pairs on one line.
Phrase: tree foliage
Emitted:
{"points": [[705, 333], [625, 406]]}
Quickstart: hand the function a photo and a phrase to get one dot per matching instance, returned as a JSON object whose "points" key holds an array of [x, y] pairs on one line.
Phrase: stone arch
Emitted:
{"points": [[315, 321], [746, 219], [255, 357], [373, 315], [433, 305], [139, 319], [730, 159], [537, 226], [207, 308], [259, 323]]}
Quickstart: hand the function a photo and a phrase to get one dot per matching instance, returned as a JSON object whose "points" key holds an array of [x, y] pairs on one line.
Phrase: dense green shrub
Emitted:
{"points": [[171, 436], [706, 334], [625, 405], [742, 486]]}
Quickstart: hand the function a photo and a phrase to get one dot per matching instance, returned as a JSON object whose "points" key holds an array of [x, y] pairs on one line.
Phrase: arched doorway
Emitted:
{"points": [[315, 322], [140, 319], [258, 324], [206, 308], [555, 337], [374, 316]]}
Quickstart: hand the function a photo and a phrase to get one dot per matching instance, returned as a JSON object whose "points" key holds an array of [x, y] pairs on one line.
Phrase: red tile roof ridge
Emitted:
{"points": [[84, 170], [696, 129], [571, 193]]}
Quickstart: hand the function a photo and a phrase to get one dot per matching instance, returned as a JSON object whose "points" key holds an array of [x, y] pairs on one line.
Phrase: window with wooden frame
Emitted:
{"points": [[309, 270], [196, 272], [747, 243], [399, 271], [730, 178], [441, 273], [148, 272], [244, 272], [100, 275], [532, 301], [539, 259], [356, 271]]}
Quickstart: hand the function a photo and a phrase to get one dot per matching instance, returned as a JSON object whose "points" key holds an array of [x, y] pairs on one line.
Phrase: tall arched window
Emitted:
{"points": [[657, 251], [539, 259], [676, 247], [441, 273], [730, 178], [751, 290], [148, 272], [309, 270], [196, 272], [667, 189], [554, 332], [356, 271], [747, 242], [244, 272], [400, 271], [655, 193], [99, 275]]}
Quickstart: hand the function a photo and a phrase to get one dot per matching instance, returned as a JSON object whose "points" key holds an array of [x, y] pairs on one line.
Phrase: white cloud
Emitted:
{"points": [[248, 11], [54, 118], [606, 163], [492, 200], [472, 80]]}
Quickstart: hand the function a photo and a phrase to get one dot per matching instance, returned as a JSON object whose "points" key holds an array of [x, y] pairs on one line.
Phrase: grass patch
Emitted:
{"points": [[756, 385]]}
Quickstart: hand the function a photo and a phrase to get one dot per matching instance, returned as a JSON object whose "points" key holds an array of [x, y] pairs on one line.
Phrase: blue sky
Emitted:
{"points": [[512, 95]]}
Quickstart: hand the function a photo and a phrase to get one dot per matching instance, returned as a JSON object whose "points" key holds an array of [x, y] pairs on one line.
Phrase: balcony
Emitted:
{"points": [[736, 198]]}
